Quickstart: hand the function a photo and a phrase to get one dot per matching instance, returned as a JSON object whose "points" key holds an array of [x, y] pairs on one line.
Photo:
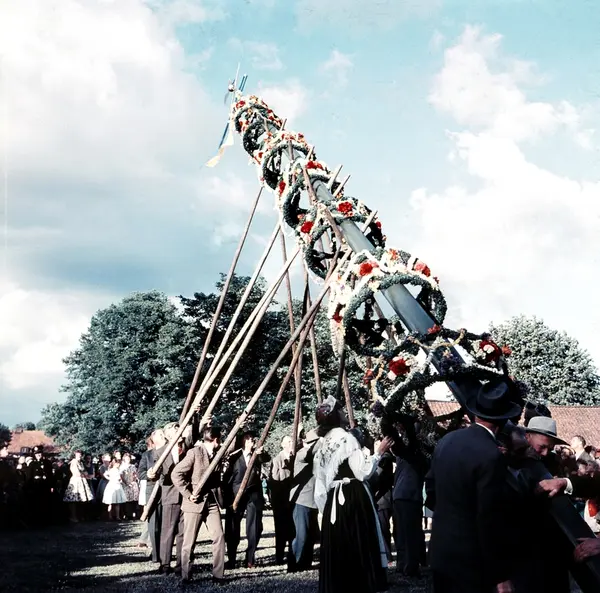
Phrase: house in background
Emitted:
{"points": [[570, 420], [22, 442]]}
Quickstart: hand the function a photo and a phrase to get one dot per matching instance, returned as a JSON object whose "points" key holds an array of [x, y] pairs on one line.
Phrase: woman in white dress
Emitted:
{"points": [[353, 554], [78, 489], [114, 495]]}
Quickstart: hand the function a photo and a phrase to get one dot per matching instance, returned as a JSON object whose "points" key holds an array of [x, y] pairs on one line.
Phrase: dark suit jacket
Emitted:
{"points": [[237, 469], [169, 493], [382, 481], [146, 462], [186, 475], [466, 484]]}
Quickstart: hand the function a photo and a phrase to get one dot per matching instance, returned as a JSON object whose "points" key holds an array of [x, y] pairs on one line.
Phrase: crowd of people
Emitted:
{"points": [[487, 492], [38, 490]]}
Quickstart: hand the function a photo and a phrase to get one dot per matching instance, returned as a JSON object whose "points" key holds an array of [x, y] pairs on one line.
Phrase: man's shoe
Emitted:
{"points": [[230, 564], [165, 570]]}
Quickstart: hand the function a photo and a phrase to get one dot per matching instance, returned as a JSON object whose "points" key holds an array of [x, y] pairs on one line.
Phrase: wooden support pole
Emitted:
{"points": [[274, 409], [242, 418], [334, 176], [313, 348], [249, 327], [338, 191], [244, 300], [298, 402], [290, 306], [217, 314]]}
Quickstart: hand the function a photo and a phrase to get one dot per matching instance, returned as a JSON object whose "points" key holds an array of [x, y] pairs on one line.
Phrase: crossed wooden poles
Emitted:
{"points": [[300, 333]]}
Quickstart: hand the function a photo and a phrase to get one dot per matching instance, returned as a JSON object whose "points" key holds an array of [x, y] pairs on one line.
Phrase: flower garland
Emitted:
{"points": [[396, 376]]}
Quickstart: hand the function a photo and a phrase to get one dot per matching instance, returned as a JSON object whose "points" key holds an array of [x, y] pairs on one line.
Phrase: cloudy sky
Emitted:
{"points": [[470, 126]]}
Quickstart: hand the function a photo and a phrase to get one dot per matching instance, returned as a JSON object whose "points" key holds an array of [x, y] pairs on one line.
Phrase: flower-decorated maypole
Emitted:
{"points": [[402, 355]]}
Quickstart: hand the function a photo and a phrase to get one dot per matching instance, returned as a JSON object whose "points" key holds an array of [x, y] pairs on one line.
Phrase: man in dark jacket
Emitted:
{"points": [[469, 549], [252, 501]]}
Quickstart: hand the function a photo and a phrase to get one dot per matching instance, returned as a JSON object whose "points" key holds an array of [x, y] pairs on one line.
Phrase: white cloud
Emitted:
{"points": [[39, 328], [262, 55], [289, 100], [358, 15], [468, 89], [337, 67], [527, 240], [176, 12]]}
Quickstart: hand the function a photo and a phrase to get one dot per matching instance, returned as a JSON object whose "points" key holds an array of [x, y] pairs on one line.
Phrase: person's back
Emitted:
{"points": [[468, 473]]}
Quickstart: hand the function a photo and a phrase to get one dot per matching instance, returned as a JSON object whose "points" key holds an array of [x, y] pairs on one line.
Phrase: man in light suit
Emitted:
{"points": [[470, 549], [279, 494], [172, 518], [252, 501], [201, 508]]}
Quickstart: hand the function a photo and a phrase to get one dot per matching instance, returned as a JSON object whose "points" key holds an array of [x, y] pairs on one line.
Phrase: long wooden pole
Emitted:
{"points": [[242, 418], [313, 350], [250, 326], [298, 402], [290, 305], [243, 300], [217, 314], [274, 409]]}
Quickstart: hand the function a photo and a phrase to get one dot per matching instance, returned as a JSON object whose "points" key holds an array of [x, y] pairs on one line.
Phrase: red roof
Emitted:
{"points": [[29, 439], [570, 420]]}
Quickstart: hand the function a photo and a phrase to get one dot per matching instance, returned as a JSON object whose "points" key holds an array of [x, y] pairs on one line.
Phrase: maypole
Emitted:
{"points": [[408, 352]]}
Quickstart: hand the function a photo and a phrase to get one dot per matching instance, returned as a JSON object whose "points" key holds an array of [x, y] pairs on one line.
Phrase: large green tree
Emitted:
{"points": [[127, 376], [134, 366], [553, 364]]}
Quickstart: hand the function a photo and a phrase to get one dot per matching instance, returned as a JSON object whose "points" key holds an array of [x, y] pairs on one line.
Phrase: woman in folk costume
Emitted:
{"points": [[78, 490], [353, 553], [131, 485]]}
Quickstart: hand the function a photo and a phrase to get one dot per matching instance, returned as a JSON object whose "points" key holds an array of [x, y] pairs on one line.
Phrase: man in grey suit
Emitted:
{"points": [[201, 508]]}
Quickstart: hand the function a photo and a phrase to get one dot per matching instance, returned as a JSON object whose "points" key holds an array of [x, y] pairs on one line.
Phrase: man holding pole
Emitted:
{"points": [[252, 501], [201, 508]]}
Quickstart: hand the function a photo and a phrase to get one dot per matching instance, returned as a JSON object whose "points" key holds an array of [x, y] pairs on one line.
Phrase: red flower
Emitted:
{"points": [[336, 316], [314, 165], [368, 376], [345, 207], [399, 367], [281, 187], [366, 268], [491, 350], [378, 224], [436, 329], [240, 104], [423, 268], [307, 226], [506, 351]]}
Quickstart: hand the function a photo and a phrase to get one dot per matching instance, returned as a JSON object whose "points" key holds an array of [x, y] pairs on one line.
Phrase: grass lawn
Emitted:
{"points": [[103, 557]]}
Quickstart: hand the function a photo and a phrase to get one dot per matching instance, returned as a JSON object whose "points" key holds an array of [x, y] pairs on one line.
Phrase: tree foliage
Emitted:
{"points": [[133, 368], [24, 426], [5, 435], [553, 364]]}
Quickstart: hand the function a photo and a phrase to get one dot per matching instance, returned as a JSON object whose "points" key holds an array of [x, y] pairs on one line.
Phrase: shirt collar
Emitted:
{"points": [[486, 428]]}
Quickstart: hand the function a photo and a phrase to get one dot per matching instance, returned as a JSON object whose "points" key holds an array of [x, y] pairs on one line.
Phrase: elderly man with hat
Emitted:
{"points": [[540, 550], [466, 486]]}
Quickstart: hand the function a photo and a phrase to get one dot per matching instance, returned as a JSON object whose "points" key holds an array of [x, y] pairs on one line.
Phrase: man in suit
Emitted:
{"points": [[407, 496], [305, 514], [470, 541], [252, 501], [172, 519], [381, 483], [279, 493], [578, 445], [147, 461], [201, 508]]}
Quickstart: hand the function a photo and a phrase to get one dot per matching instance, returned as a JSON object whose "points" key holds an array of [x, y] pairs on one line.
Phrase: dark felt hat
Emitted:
{"points": [[494, 401], [38, 449]]}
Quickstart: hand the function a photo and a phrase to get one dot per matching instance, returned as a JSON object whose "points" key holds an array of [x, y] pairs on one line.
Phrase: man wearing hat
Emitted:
{"points": [[40, 483], [541, 552], [469, 549]]}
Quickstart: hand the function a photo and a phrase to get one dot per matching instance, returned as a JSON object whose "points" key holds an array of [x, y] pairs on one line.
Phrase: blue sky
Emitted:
{"points": [[469, 125]]}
